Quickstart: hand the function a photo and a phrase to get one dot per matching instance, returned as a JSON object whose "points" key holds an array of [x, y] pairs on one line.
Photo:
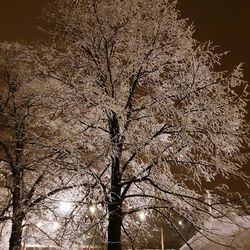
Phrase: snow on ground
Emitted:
{"points": [[225, 232]]}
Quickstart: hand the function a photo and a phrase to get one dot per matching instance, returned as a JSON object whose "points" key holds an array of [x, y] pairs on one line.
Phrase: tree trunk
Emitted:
{"points": [[16, 233], [115, 204], [114, 227], [18, 214]]}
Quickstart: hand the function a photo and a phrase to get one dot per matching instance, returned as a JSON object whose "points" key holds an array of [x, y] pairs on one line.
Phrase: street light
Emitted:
{"points": [[92, 209], [142, 215], [180, 222], [162, 238]]}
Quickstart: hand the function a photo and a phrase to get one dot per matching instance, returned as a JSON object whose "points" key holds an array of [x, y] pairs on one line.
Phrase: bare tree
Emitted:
{"points": [[149, 118], [30, 173]]}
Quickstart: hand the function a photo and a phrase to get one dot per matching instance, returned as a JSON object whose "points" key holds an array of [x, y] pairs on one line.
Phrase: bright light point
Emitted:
{"points": [[39, 224], [56, 225], [180, 222], [65, 206], [142, 215], [92, 209]]}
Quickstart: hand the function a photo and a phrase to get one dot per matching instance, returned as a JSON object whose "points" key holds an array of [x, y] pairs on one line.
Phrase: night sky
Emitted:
{"points": [[225, 22]]}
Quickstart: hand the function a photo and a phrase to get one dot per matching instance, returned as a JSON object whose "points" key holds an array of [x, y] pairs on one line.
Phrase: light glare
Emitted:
{"points": [[92, 209], [142, 215], [56, 225], [65, 206]]}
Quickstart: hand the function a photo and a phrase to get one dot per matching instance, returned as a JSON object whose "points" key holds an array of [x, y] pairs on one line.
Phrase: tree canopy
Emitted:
{"points": [[142, 115]]}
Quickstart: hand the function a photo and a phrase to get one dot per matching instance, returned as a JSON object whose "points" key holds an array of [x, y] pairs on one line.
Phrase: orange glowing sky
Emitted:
{"points": [[226, 22]]}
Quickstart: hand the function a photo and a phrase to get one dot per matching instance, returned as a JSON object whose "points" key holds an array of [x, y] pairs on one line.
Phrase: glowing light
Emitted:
{"points": [[142, 215], [92, 209], [65, 206], [180, 222]]}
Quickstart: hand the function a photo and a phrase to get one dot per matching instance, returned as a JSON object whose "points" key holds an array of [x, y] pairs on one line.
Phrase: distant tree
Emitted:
{"points": [[23, 161], [30, 173], [150, 119]]}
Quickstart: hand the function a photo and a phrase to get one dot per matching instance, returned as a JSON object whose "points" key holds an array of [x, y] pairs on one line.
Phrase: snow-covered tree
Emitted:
{"points": [[23, 158], [30, 176], [150, 120]]}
